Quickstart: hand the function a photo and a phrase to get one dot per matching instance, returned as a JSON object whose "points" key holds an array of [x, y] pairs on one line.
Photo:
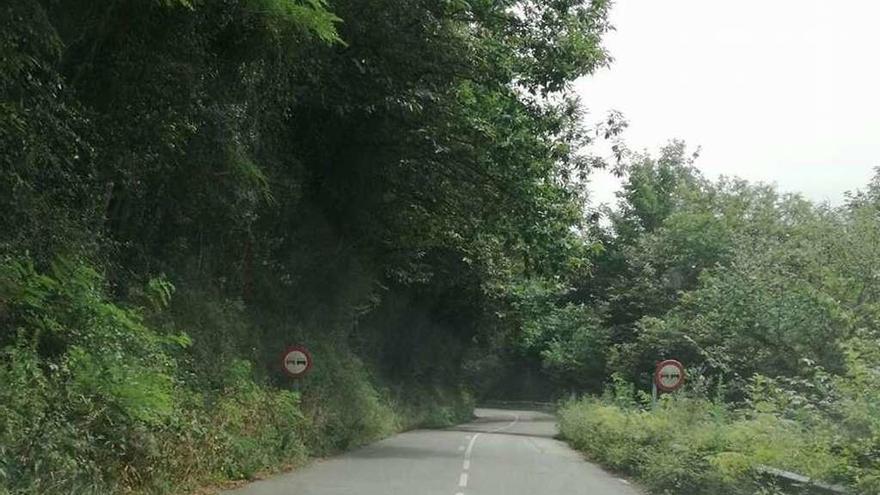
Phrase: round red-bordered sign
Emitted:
{"points": [[296, 361], [669, 375]]}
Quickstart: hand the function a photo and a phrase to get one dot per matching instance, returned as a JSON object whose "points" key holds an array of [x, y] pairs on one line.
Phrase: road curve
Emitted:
{"points": [[500, 453]]}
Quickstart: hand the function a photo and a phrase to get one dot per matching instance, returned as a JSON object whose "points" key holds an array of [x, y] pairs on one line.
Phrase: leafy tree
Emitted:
{"points": [[377, 178]]}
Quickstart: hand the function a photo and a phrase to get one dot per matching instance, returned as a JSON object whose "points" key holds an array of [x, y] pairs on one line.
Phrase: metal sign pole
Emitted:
{"points": [[653, 394]]}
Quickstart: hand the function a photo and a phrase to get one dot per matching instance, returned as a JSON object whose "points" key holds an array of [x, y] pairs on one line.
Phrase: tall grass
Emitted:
{"points": [[102, 398], [695, 446]]}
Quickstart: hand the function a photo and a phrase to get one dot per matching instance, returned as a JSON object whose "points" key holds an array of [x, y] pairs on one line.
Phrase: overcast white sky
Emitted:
{"points": [[781, 91]]}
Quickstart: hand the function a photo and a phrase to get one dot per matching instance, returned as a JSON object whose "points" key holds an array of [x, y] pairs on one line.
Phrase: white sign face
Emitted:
{"points": [[670, 376], [296, 362]]}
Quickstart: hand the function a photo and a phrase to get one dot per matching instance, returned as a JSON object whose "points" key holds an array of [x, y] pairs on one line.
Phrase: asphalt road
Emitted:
{"points": [[500, 453]]}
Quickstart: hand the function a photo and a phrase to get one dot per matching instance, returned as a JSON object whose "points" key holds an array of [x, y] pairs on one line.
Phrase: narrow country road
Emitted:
{"points": [[500, 453]]}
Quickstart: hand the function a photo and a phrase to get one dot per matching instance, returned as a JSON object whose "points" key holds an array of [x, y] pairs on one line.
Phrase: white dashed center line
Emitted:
{"points": [[466, 465], [470, 447]]}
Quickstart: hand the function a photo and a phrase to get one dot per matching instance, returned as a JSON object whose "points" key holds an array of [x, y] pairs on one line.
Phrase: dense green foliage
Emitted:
{"points": [[691, 444], [773, 304], [739, 281], [188, 186], [98, 397]]}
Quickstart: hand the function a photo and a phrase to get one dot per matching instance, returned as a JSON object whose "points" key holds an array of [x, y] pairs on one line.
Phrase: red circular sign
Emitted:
{"points": [[296, 361], [669, 375]]}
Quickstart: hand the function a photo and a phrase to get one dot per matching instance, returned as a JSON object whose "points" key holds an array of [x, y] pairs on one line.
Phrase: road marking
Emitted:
{"points": [[515, 421], [623, 481], [463, 478], [470, 447]]}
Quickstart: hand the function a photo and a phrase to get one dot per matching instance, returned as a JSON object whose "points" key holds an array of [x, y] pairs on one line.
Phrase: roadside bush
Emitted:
{"points": [[96, 398], [695, 446], [433, 407], [85, 383], [343, 407]]}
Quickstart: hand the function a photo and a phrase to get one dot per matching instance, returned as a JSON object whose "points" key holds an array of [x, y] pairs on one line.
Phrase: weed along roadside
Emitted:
{"points": [[237, 235], [176, 436], [685, 443], [297, 361]]}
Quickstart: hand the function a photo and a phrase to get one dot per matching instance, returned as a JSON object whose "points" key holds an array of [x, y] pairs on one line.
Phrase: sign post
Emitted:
{"points": [[296, 362], [669, 376]]}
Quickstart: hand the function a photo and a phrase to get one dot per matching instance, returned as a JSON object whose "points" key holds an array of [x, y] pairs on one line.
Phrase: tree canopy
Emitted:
{"points": [[188, 186]]}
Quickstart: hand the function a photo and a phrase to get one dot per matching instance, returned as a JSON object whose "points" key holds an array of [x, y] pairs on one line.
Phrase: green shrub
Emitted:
{"points": [[694, 446], [343, 406], [91, 381], [96, 398], [434, 407]]}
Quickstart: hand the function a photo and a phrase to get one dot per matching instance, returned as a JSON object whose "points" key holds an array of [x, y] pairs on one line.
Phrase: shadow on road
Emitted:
{"points": [[539, 434], [510, 422], [385, 451]]}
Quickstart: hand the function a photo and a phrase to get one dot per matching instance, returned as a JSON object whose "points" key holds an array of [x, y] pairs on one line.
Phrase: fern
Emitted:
{"points": [[309, 16]]}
